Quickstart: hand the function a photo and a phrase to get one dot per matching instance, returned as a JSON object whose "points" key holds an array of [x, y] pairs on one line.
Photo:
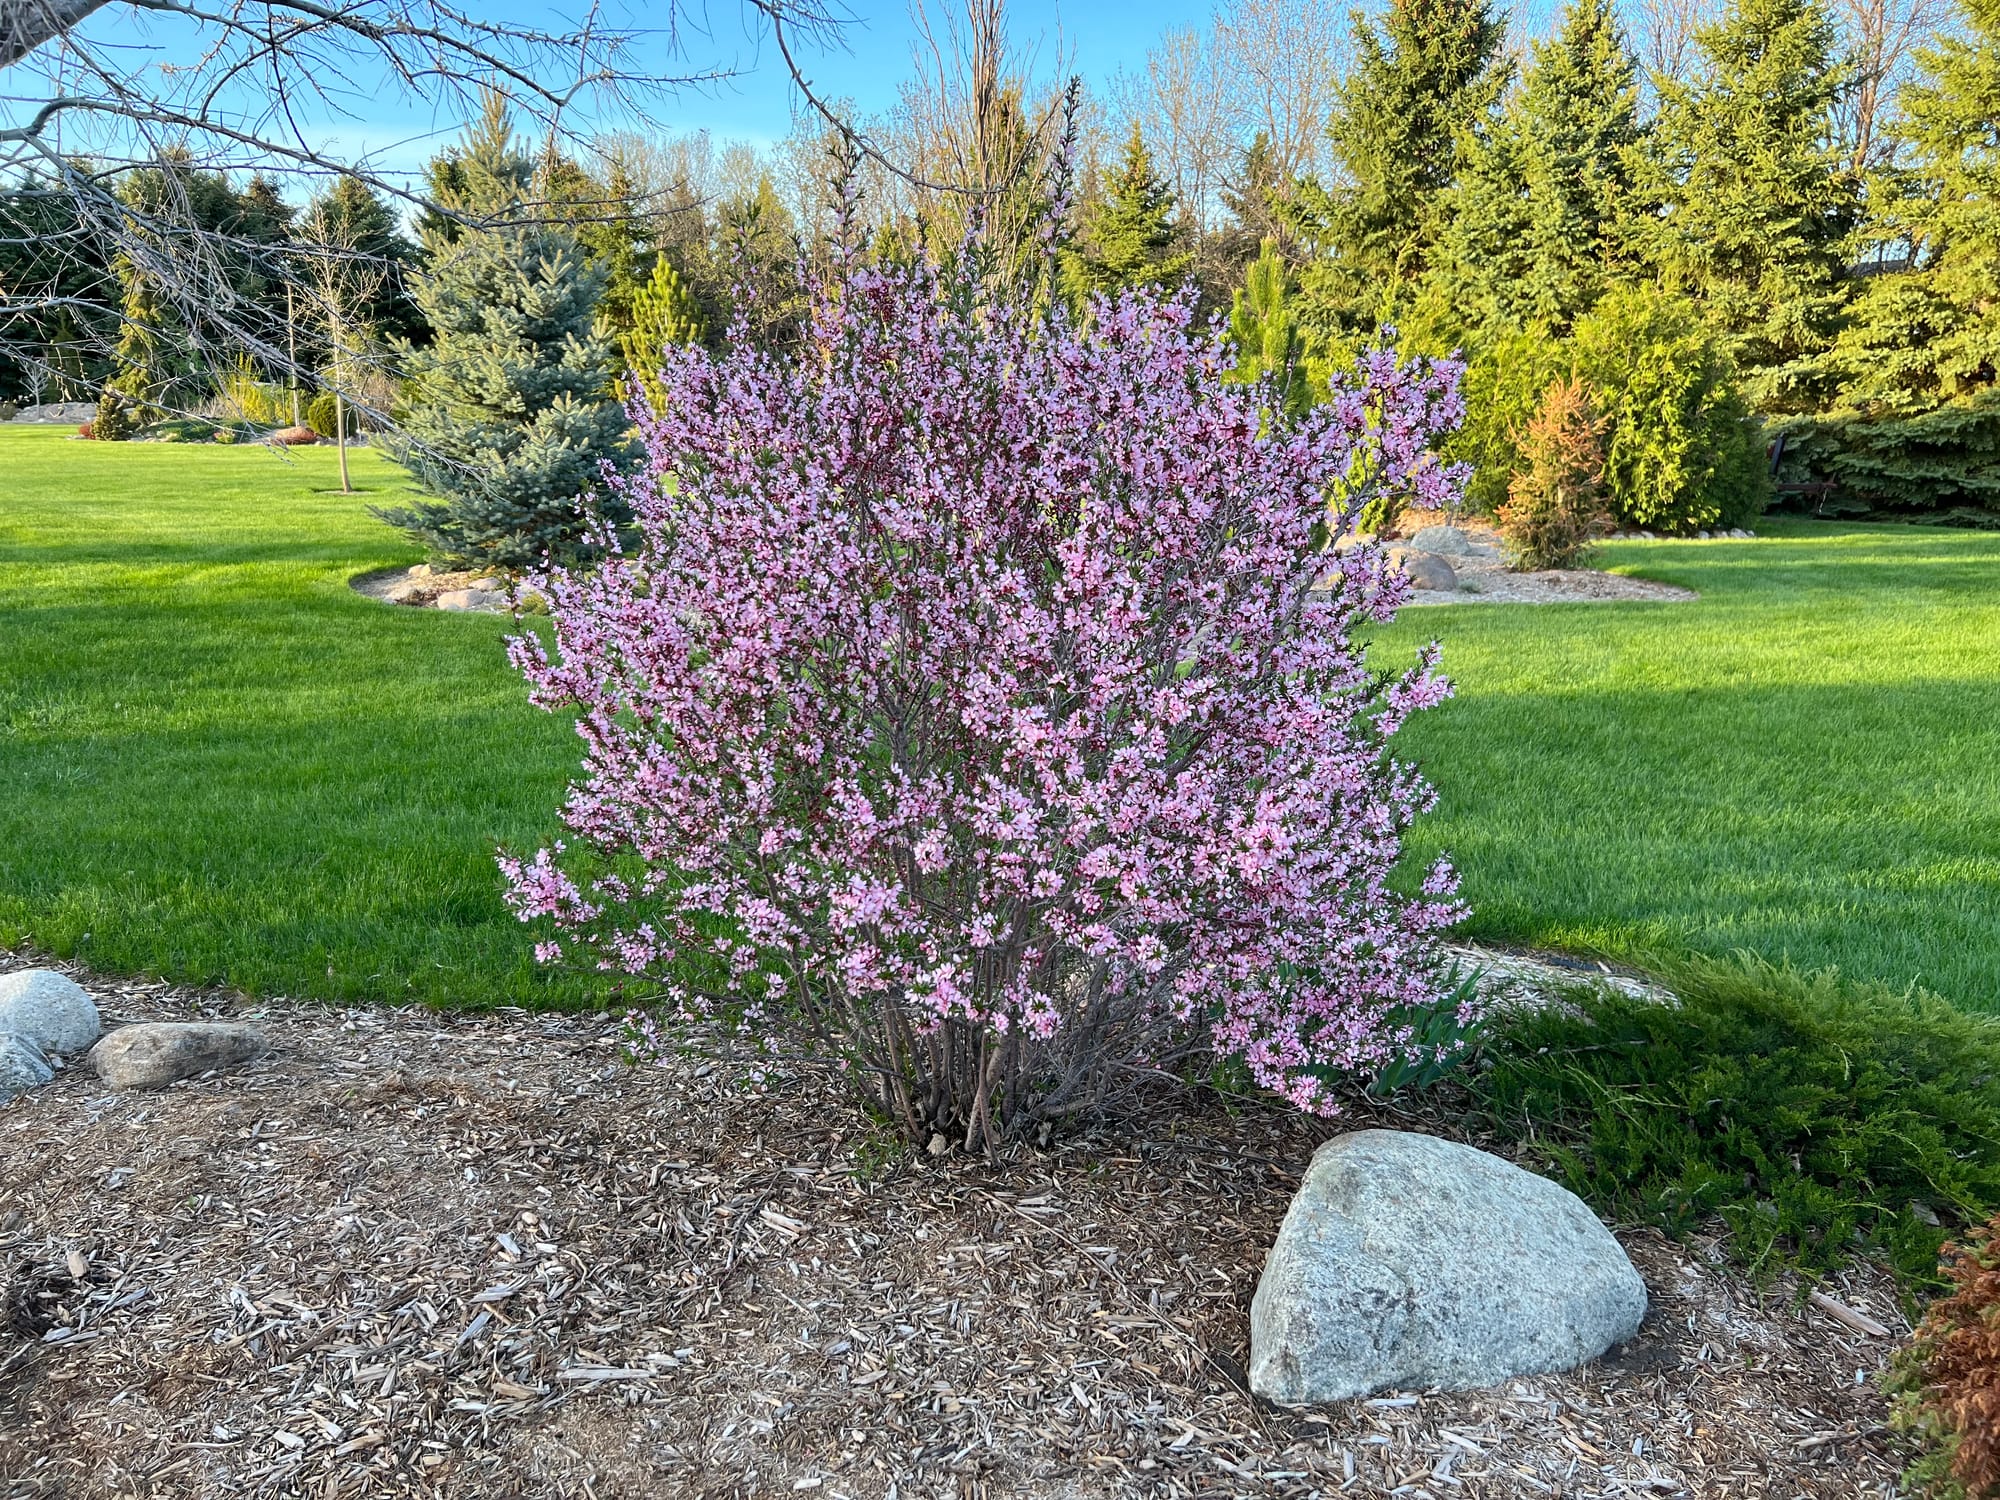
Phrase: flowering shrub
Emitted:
{"points": [[1948, 1380], [966, 713]]}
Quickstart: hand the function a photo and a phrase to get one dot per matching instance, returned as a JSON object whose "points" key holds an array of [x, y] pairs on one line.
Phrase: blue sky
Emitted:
{"points": [[867, 58]]}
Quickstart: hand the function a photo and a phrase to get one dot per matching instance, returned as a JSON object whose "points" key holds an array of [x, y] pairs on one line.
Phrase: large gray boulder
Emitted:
{"points": [[22, 1066], [1413, 1262], [51, 1010], [1426, 570], [157, 1053], [1442, 541]]}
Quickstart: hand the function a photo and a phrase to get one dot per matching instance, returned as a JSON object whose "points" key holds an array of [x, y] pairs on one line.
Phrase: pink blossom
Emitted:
{"points": [[981, 701]]}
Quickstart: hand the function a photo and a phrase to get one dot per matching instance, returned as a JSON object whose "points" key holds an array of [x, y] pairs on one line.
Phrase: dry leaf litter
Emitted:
{"points": [[424, 1255]]}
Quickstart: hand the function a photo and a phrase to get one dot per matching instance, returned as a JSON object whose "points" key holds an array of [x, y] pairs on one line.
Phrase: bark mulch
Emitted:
{"points": [[412, 1254]]}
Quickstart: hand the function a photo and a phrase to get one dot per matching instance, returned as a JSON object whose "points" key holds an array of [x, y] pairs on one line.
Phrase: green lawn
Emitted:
{"points": [[1804, 763], [217, 762]]}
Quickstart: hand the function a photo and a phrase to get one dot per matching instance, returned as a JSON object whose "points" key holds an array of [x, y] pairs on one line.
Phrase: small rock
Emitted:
{"points": [[403, 590], [1414, 1262], [488, 586], [421, 570], [482, 601], [22, 1066], [1426, 570], [1445, 541], [155, 1054], [1701, 536], [51, 1010], [1648, 536]]}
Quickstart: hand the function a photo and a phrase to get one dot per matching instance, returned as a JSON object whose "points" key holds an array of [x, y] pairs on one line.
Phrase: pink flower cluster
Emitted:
{"points": [[987, 674]]}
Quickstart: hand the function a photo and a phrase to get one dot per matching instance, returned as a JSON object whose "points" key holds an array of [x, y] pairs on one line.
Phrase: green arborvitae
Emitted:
{"points": [[1930, 332], [1759, 202], [1264, 325], [664, 313], [1545, 212], [1421, 80], [1130, 239], [508, 414]]}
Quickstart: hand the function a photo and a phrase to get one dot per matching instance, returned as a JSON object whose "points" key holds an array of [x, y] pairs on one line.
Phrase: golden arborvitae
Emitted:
{"points": [[1557, 503]]}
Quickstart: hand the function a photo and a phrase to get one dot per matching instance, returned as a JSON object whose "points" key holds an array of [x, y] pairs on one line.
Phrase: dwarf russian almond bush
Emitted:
{"points": [[965, 713]]}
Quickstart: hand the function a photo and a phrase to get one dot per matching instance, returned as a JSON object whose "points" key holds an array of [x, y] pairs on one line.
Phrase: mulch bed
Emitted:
{"points": [[412, 1254]]}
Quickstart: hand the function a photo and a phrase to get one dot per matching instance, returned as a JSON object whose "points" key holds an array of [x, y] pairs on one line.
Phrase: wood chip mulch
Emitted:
{"points": [[412, 1254]]}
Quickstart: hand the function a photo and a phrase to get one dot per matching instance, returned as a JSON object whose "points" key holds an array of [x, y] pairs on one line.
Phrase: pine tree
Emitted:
{"points": [[1431, 70], [1264, 325], [664, 313], [1759, 202], [509, 415], [1130, 238], [1930, 332]]}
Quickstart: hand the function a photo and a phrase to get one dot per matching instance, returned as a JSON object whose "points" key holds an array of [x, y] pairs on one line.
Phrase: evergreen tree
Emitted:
{"points": [[1546, 211], [161, 362], [1759, 202], [1264, 325], [1430, 71], [664, 313], [1253, 199], [508, 416], [756, 260], [1930, 332], [358, 221], [1130, 238]]}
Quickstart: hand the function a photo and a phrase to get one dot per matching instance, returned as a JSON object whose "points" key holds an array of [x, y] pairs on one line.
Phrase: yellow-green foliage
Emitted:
{"points": [[663, 315], [243, 397]]}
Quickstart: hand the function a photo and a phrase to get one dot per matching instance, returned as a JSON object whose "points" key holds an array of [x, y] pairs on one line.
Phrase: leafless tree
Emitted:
{"points": [[1187, 107], [93, 103], [1880, 36], [1664, 33], [1285, 58]]}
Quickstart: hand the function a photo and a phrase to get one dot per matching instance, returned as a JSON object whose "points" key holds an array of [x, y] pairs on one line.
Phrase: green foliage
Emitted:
{"points": [[663, 314], [1545, 211], [1814, 1117], [1254, 199], [161, 366], [116, 419], [1504, 381], [508, 413], [1930, 333], [1557, 505], [1426, 72], [1759, 204], [324, 412], [358, 226], [245, 396], [1684, 453], [1130, 238], [1940, 465], [1264, 325]]}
